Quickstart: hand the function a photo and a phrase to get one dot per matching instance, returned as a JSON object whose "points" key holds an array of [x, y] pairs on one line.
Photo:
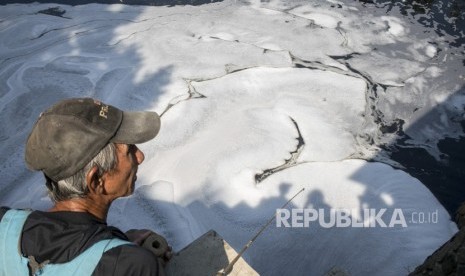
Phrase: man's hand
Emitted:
{"points": [[153, 242]]}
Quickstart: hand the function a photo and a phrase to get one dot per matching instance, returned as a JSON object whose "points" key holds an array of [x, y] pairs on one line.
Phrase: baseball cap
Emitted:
{"points": [[67, 136]]}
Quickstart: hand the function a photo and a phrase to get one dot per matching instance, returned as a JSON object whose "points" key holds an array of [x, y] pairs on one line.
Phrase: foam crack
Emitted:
{"points": [[290, 162]]}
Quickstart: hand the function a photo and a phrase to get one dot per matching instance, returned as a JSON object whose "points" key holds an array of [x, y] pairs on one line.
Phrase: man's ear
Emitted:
{"points": [[92, 179]]}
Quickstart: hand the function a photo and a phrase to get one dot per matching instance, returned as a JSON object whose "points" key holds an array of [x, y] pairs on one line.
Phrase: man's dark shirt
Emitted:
{"points": [[62, 236]]}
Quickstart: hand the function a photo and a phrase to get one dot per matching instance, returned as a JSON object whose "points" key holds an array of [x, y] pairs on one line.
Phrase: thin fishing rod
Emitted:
{"points": [[229, 268]]}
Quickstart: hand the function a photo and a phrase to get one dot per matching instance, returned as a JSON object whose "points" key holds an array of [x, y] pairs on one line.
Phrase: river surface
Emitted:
{"points": [[444, 176]]}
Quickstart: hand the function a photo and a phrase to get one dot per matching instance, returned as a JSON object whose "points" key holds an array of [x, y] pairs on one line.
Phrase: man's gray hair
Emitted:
{"points": [[75, 185]]}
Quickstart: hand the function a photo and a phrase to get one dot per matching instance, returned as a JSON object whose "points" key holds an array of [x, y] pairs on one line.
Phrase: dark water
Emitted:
{"points": [[444, 17], [446, 177], [445, 181]]}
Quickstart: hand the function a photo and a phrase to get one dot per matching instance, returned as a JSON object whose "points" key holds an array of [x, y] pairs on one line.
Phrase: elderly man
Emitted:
{"points": [[86, 150]]}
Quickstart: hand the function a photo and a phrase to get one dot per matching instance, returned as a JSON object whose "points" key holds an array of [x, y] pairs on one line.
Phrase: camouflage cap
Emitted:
{"points": [[68, 135]]}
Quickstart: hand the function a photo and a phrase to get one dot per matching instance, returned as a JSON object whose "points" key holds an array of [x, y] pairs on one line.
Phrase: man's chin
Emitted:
{"points": [[133, 186], [130, 191]]}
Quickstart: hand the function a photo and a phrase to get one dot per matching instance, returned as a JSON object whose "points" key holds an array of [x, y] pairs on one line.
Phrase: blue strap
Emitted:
{"points": [[13, 263], [11, 226], [85, 263]]}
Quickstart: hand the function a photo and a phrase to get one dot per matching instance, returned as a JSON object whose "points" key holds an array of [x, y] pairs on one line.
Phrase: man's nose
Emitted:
{"points": [[139, 156]]}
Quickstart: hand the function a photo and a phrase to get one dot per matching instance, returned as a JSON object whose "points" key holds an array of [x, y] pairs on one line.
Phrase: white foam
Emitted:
{"points": [[395, 26], [431, 51]]}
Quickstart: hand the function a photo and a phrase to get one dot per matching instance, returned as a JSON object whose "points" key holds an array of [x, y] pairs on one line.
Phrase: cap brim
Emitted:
{"points": [[137, 127]]}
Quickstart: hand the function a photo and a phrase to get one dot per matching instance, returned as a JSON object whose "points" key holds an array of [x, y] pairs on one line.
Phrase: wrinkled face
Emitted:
{"points": [[120, 181]]}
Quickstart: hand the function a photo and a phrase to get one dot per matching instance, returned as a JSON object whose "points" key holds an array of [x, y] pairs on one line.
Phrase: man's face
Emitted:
{"points": [[121, 180]]}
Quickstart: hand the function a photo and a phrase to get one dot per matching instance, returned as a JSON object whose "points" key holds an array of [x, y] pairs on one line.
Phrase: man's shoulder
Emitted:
{"points": [[3, 211], [128, 260]]}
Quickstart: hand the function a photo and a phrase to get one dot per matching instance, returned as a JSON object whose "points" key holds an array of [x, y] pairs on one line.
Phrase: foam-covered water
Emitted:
{"points": [[257, 100]]}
